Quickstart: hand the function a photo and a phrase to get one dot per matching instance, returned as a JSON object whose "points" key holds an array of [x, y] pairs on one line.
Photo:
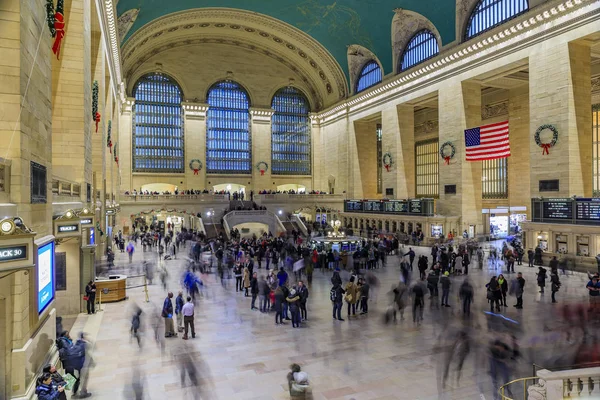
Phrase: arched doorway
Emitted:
{"points": [[293, 187], [229, 187]]}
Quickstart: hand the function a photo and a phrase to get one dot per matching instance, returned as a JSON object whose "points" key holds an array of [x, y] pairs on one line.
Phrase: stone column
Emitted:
{"points": [[398, 125], [460, 108], [519, 193], [124, 147], [261, 147], [318, 182], [195, 143], [559, 95]]}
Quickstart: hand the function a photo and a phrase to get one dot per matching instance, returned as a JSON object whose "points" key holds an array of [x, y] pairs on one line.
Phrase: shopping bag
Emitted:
{"points": [[70, 379]]}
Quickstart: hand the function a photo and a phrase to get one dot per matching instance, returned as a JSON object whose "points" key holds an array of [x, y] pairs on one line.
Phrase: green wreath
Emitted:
{"points": [[262, 167], [195, 165], [443, 154], [388, 161], [546, 146]]}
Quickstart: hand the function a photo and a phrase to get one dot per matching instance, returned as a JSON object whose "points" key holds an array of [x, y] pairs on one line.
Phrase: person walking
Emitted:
{"points": [[303, 293], [178, 306], [530, 258], [254, 291], [398, 303], [541, 278], [466, 295], [411, 256], [130, 250], [265, 293], [237, 272], [279, 300], [351, 296], [90, 292], [494, 293], [292, 300], [418, 295], [167, 314], [519, 285], [554, 284], [282, 277], [503, 289], [246, 280], [188, 318], [336, 295], [445, 283]]}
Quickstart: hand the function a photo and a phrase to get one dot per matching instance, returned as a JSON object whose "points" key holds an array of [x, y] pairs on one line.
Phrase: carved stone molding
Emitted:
{"points": [[494, 110], [426, 127], [261, 115], [126, 21], [596, 85], [404, 26], [194, 110]]}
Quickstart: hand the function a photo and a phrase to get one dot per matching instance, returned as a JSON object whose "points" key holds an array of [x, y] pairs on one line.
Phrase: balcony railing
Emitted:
{"points": [[298, 197], [173, 197], [61, 187]]}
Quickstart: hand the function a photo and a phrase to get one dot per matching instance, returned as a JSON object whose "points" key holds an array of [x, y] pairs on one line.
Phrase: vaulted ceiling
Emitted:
{"points": [[334, 24]]}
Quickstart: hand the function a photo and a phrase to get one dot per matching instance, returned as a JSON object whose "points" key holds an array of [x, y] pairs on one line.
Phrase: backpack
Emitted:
{"points": [[332, 294]]}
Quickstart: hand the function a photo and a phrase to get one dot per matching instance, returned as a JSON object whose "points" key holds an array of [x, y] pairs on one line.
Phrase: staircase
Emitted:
{"points": [[213, 230], [243, 204]]}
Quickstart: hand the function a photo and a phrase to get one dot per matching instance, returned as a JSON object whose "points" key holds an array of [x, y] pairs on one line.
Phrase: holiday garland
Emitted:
{"points": [[108, 138], [388, 161], [95, 113], [115, 155], [443, 154], [546, 146], [195, 165], [262, 167], [56, 23], [98, 229]]}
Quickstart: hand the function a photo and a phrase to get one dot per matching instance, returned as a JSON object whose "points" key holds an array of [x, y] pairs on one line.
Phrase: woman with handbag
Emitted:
{"points": [[555, 284], [90, 297], [494, 293]]}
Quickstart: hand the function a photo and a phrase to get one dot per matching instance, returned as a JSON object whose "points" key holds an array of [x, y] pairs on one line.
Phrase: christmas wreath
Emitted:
{"points": [[262, 167], [388, 161], [195, 165], [108, 138], [56, 23], [95, 113], [443, 153], [546, 146]]}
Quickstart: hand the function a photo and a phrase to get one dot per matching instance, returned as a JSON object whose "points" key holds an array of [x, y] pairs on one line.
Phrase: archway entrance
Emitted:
{"points": [[229, 187], [293, 187]]}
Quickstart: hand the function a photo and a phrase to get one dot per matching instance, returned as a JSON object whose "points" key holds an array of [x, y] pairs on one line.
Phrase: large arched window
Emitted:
{"points": [[228, 141], [488, 14], [157, 125], [290, 136], [421, 47], [370, 75]]}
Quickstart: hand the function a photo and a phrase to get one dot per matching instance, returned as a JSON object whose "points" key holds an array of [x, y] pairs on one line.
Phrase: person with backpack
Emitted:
{"points": [[130, 250], [336, 295], [554, 284], [418, 295], [73, 358], [135, 325], [237, 272]]}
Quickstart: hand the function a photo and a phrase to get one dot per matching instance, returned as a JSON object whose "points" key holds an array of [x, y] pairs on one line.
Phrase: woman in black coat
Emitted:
{"points": [[494, 293], [555, 284], [541, 278], [503, 289]]}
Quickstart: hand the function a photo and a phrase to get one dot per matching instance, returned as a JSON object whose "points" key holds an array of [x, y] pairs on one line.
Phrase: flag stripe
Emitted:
{"points": [[488, 142]]}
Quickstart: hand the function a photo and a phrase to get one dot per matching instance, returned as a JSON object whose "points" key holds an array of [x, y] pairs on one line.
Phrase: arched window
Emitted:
{"points": [[157, 125], [370, 75], [228, 141], [488, 14], [290, 136], [421, 47]]}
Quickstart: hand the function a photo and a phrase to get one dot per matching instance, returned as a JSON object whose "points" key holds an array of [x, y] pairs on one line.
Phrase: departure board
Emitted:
{"points": [[415, 207], [410, 206], [353, 205], [372, 205], [588, 209], [557, 209], [395, 206]]}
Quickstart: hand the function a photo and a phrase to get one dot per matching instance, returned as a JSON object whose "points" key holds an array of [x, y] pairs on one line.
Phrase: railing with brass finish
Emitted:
{"points": [[517, 389]]}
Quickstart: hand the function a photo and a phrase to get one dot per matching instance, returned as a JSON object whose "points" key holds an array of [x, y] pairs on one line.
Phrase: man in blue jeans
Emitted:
{"points": [[337, 298], [445, 282]]}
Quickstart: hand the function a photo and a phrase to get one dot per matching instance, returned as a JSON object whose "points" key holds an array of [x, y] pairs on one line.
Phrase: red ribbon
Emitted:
{"points": [[447, 160], [546, 147], [196, 171], [117, 161], [387, 167], [262, 171], [59, 27], [110, 146], [97, 119]]}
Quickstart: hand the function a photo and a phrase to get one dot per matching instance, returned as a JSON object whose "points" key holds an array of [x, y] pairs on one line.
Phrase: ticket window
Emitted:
{"points": [[561, 244], [437, 231], [583, 246], [498, 226], [515, 222], [542, 241]]}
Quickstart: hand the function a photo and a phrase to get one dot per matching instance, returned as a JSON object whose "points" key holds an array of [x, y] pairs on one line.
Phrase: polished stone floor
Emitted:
{"points": [[242, 354]]}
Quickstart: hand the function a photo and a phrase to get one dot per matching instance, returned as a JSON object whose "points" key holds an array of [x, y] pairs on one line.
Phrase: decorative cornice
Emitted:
{"points": [[426, 127], [494, 110], [261, 115], [595, 85], [108, 26], [194, 110]]}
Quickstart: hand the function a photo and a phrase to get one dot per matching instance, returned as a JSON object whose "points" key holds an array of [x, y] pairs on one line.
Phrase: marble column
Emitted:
{"points": [[261, 147], [559, 95], [519, 193], [195, 143], [398, 125], [124, 150], [460, 108]]}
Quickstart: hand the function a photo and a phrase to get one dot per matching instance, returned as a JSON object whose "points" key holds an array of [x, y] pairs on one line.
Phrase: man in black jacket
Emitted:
{"points": [[338, 301], [303, 293], [254, 290], [411, 256]]}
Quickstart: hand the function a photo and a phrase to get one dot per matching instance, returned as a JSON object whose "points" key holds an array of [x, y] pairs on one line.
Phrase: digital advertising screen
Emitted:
{"points": [[92, 236], [45, 271]]}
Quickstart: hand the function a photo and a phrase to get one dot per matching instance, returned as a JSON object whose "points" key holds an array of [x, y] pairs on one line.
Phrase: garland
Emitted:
{"points": [[195, 165], [116, 157], [546, 146], [447, 158], [108, 138], [56, 23], [262, 167], [388, 161], [95, 113], [98, 229]]}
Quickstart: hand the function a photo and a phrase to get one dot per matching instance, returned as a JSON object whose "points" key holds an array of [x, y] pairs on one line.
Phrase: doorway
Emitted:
{"points": [[229, 187]]}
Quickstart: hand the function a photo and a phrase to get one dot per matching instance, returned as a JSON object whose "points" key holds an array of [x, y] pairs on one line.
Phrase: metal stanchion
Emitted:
{"points": [[146, 289]]}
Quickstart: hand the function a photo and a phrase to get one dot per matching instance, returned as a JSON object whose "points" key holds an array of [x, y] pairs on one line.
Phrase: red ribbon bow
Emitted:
{"points": [[59, 27], [110, 146], [97, 119], [196, 171], [545, 148], [117, 161], [447, 160], [387, 167], [262, 171]]}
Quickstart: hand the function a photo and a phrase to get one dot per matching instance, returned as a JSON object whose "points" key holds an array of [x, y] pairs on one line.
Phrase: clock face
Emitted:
{"points": [[6, 226]]}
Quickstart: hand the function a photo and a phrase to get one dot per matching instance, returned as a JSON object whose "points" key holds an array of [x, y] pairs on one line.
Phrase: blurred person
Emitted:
{"points": [[187, 311], [90, 292], [130, 250], [411, 256], [303, 293], [494, 293], [399, 293], [336, 295], [47, 390], [594, 293], [519, 286], [445, 283], [264, 291], [237, 272], [254, 290], [541, 278], [500, 355], [282, 276], [246, 279], [292, 299], [364, 296], [554, 284], [167, 314], [278, 306], [422, 265], [466, 295], [137, 383], [503, 289], [351, 296], [87, 364], [135, 325], [418, 295], [179, 302]]}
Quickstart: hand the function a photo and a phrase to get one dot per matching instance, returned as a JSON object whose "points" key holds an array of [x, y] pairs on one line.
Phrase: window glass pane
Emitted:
{"points": [[157, 125], [228, 140], [369, 76], [421, 47], [290, 135], [427, 168], [490, 13], [495, 179]]}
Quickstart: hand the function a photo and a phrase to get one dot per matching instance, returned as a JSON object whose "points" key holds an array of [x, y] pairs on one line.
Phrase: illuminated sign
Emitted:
{"points": [[86, 221], [12, 253], [92, 236], [45, 275], [68, 228]]}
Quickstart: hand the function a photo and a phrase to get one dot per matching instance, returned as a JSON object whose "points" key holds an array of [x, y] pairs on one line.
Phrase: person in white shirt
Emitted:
{"points": [[188, 318]]}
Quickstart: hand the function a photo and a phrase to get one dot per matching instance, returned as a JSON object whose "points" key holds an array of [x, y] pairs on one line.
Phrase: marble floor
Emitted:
{"points": [[242, 354]]}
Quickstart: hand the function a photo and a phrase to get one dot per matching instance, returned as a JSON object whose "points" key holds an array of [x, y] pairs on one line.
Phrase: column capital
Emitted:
{"points": [[194, 110], [261, 115], [315, 121], [127, 105]]}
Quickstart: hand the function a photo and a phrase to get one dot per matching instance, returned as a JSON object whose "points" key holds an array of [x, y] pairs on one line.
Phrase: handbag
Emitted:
{"points": [[85, 298], [490, 295]]}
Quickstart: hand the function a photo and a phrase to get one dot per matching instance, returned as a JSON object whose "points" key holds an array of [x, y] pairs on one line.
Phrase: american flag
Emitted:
{"points": [[487, 142]]}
